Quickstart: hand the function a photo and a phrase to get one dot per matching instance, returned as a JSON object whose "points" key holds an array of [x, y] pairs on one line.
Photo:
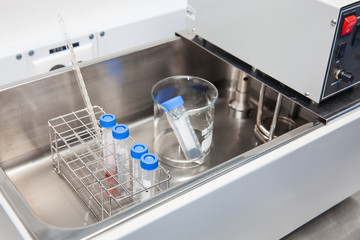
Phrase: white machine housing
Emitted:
{"points": [[291, 41], [33, 43]]}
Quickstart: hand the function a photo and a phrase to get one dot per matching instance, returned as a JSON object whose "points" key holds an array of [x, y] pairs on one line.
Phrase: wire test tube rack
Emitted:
{"points": [[77, 155]]}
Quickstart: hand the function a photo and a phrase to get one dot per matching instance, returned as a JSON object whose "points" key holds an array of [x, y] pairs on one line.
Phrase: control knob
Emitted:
{"points": [[343, 75]]}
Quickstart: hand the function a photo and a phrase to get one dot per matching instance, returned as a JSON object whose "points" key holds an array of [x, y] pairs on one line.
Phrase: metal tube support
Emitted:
{"points": [[259, 125], [275, 116], [260, 105], [260, 130]]}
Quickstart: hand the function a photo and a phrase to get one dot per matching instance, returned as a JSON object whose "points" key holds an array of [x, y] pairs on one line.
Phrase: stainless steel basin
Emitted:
{"points": [[46, 205]]}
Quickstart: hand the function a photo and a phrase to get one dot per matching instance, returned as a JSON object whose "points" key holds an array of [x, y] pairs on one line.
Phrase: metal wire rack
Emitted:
{"points": [[78, 156]]}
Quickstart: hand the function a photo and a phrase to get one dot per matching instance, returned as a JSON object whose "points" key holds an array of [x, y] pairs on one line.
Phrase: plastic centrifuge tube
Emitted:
{"points": [[107, 121], [149, 163], [180, 123], [136, 151], [120, 133]]}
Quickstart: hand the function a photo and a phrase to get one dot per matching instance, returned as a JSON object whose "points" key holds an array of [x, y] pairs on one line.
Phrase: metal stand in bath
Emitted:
{"points": [[261, 132]]}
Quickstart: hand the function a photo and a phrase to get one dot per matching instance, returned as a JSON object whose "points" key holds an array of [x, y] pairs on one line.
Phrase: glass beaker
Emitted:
{"points": [[184, 109]]}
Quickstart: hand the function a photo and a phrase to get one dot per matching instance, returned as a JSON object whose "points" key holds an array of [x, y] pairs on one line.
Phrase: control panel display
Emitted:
{"points": [[344, 66]]}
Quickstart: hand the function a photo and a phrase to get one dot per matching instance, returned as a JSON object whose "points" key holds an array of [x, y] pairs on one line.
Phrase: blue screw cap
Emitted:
{"points": [[173, 103], [120, 131], [137, 150], [107, 120], [149, 161]]}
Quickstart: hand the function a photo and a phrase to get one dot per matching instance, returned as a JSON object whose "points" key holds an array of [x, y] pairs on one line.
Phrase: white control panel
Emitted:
{"points": [[291, 41]]}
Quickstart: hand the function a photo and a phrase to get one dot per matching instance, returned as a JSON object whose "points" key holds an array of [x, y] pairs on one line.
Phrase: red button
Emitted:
{"points": [[349, 22]]}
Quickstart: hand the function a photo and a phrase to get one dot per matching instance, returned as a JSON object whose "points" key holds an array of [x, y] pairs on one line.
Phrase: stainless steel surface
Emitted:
{"points": [[7, 226], [49, 195], [42, 199], [327, 110]]}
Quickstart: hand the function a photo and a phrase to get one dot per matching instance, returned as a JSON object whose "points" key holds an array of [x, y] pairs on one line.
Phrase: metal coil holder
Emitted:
{"points": [[261, 132]]}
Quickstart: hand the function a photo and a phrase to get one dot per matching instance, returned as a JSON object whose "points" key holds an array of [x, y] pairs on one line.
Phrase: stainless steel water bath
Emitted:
{"points": [[245, 187]]}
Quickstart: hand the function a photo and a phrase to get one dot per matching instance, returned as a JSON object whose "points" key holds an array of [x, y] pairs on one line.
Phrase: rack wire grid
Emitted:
{"points": [[78, 156]]}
